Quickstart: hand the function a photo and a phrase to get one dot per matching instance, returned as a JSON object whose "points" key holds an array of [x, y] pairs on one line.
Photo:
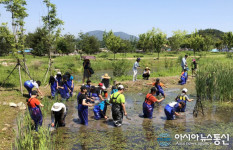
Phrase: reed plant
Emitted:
{"points": [[27, 138], [214, 81]]}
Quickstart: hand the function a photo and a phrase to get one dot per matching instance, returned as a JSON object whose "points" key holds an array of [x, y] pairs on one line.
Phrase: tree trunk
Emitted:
{"points": [[20, 80], [158, 55]]}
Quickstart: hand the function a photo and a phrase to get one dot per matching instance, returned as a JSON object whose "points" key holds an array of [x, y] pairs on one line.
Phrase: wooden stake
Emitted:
{"points": [[20, 80]]}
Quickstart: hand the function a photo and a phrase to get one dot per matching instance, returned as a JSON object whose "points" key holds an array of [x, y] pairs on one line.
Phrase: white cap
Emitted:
{"points": [[185, 90], [58, 72], [58, 106], [120, 87]]}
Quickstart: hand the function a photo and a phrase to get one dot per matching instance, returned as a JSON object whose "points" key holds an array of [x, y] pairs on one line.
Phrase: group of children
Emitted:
{"points": [[98, 97], [62, 84]]}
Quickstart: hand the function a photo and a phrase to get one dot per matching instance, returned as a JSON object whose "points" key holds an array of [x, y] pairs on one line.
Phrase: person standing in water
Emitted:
{"points": [[83, 106], [148, 105], [34, 109], [118, 106]]}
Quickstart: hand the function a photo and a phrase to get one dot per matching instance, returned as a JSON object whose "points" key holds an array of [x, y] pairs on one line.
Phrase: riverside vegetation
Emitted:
{"points": [[212, 83]]}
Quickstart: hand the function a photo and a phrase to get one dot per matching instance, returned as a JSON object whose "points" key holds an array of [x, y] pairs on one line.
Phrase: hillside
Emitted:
{"points": [[99, 35]]}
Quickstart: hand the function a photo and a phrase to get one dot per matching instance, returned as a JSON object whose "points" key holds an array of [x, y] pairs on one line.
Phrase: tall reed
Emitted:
{"points": [[214, 81]]}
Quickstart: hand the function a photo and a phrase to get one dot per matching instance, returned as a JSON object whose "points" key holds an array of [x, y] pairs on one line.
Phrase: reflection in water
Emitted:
{"points": [[148, 129]]}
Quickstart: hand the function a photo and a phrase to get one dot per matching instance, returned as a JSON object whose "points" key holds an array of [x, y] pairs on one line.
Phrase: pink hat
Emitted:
{"points": [[194, 60]]}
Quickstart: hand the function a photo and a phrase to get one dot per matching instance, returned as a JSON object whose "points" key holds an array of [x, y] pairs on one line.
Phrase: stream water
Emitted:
{"points": [[138, 133]]}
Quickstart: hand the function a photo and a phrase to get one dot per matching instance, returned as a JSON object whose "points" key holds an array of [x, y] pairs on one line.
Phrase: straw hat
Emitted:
{"points": [[147, 68], [105, 76]]}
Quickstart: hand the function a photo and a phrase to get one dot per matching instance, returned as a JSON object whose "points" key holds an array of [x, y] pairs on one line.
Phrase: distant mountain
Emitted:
{"points": [[99, 35]]}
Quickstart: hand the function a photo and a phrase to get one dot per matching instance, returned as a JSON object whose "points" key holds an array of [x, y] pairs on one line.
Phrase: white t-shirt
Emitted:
{"points": [[183, 62], [172, 104], [34, 84], [136, 64]]}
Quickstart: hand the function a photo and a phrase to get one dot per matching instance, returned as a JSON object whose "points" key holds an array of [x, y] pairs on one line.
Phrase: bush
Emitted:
{"points": [[229, 55], [104, 55], [120, 67]]}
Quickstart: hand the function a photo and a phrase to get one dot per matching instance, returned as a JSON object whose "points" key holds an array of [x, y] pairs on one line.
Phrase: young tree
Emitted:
{"points": [[195, 42], [158, 39], [112, 42], [208, 43], [177, 39], [144, 42], [88, 44], [228, 40], [51, 23]]}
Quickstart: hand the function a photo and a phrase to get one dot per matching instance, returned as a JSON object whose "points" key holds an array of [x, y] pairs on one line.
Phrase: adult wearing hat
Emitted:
{"points": [[58, 114], [183, 97], [118, 106], [34, 109], [148, 105], [105, 80], [135, 67], [83, 106], [146, 73]]}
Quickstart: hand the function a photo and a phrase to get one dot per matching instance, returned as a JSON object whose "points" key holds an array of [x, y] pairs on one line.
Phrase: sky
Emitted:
{"points": [[131, 16]]}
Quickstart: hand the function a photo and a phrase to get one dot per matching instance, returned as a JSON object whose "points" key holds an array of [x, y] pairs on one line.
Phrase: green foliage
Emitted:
{"points": [[195, 42], [6, 40], [177, 39], [38, 42], [208, 43], [26, 138], [104, 55], [18, 13], [214, 81], [66, 44], [144, 42], [229, 55], [120, 67], [88, 44], [228, 40], [158, 39], [112, 42]]}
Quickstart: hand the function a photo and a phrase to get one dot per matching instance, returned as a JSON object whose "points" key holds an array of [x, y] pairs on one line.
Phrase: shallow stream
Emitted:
{"points": [[140, 133]]}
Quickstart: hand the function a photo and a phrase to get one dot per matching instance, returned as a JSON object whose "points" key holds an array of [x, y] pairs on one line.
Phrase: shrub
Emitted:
{"points": [[120, 67]]}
